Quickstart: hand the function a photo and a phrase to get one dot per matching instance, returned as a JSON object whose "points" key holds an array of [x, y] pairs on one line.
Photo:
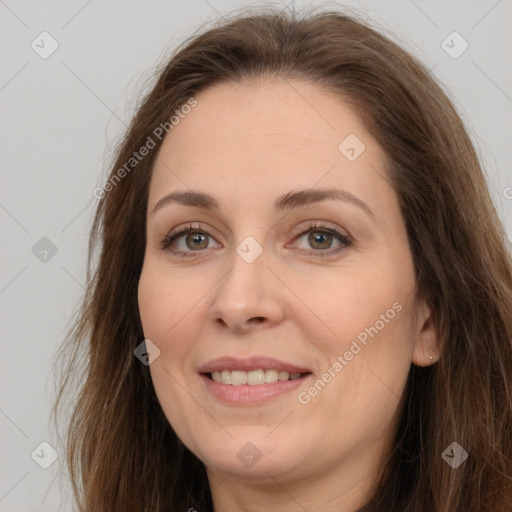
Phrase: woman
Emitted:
{"points": [[303, 293]]}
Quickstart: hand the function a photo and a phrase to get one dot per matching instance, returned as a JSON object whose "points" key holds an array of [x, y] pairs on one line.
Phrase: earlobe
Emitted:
{"points": [[426, 351], [426, 344]]}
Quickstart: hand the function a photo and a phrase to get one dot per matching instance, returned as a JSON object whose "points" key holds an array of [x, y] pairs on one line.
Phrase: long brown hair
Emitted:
{"points": [[123, 455]]}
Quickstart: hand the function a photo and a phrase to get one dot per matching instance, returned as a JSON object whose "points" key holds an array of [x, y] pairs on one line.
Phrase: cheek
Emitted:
{"points": [[164, 307], [364, 338], [346, 304], [166, 313], [173, 306], [152, 304]]}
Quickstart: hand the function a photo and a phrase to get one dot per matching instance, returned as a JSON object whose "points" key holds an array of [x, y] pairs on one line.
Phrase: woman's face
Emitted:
{"points": [[297, 261]]}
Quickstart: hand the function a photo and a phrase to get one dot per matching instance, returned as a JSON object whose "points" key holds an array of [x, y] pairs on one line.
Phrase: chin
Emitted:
{"points": [[252, 456]]}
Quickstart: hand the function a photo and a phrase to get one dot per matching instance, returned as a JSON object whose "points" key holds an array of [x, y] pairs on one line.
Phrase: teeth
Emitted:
{"points": [[238, 378], [252, 378], [271, 376], [256, 377]]}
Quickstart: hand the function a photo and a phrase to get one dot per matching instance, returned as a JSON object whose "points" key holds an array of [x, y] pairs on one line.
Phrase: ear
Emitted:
{"points": [[427, 345]]}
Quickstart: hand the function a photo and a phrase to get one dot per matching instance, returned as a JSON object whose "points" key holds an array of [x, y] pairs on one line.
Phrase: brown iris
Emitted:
{"points": [[323, 239], [197, 241]]}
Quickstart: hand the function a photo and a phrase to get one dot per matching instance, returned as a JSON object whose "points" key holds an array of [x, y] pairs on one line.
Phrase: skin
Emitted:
{"points": [[246, 145]]}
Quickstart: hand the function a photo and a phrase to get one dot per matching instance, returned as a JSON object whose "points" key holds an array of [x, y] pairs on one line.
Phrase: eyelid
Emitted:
{"points": [[313, 226], [181, 230], [320, 225], [309, 227]]}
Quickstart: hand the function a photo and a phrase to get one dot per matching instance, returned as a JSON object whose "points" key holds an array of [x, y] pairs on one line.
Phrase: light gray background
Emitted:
{"points": [[60, 116]]}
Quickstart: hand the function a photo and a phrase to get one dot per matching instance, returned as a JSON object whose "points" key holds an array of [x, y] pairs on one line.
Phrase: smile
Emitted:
{"points": [[252, 378]]}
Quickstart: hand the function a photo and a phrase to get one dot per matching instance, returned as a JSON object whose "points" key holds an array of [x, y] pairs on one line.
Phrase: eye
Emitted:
{"points": [[320, 239], [186, 240]]}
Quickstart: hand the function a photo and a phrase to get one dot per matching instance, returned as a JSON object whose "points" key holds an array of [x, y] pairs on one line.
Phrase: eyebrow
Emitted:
{"points": [[287, 201]]}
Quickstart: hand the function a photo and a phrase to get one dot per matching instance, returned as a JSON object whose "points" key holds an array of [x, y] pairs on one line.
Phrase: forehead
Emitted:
{"points": [[277, 134]]}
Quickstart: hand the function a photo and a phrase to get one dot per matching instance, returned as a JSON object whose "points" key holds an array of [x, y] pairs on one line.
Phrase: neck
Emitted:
{"points": [[342, 488]]}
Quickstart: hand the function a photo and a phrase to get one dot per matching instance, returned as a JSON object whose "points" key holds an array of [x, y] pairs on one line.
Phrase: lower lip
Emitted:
{"points": [[249, 395]]}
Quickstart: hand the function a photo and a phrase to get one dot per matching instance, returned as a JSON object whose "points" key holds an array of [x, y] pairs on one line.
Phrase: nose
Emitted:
{"points": [[247, 297]]}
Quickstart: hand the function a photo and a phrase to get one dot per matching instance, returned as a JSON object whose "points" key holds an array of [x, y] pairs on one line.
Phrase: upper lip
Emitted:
{"points": [[249, 364]]}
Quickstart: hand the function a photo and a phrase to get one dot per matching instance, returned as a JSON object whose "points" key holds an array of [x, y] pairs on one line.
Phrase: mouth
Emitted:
{"points": [[254, 377], [251, 381]]}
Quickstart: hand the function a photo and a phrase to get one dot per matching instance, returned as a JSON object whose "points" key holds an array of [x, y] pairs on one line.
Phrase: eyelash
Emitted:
{"points": [[312, 227]]}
